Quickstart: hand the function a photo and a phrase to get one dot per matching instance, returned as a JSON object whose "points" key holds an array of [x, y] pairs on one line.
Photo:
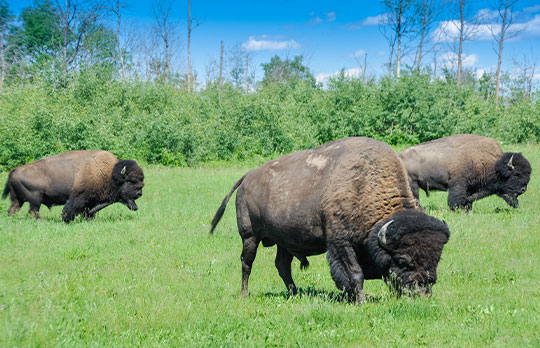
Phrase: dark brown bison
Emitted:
{"points": [[85, 181], [469, 167], [350, 198]]}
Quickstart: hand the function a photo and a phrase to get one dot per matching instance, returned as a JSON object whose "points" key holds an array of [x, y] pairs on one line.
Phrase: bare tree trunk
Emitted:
{"points": [[461, 39], [423, 29], [120, 53], [162, 10], [498, 74], [247, 76], [221, 66], [2, 56], [364, 68], [505, 10], [399, 35], [435, 64], [189, 45], [390, 61], [397, 25]]}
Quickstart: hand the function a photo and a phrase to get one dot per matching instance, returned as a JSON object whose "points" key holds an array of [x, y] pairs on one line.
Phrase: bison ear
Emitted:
{"points": [[123, 172], [381, 235], [510, 165]]}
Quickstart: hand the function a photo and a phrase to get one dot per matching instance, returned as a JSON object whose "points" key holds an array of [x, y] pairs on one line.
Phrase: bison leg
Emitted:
{"points": [[345, 270], [72, 208], [283, 264], [34, 209], [89, 215], [414, 188], [457, 198], [304, 263], [15, 206], [249, 251]]}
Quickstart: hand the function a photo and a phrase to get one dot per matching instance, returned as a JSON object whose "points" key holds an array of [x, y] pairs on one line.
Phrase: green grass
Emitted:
{"points": [[156, 278]]}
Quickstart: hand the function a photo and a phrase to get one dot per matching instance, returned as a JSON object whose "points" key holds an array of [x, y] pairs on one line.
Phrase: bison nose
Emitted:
{"points": [[139, 194]]}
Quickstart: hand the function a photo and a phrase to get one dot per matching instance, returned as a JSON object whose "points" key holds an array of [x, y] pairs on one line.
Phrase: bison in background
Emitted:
{"points": [[85, 181], [350, 198], [469, 167]]}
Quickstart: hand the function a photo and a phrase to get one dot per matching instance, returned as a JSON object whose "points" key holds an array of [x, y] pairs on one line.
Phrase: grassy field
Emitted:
{"points": [[156, 278]]}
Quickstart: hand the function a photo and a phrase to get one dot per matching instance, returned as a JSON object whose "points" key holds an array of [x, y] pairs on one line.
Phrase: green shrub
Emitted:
{"points": [[157, 123]]}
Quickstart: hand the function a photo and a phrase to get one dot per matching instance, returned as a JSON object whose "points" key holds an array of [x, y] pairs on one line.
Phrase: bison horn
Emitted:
{"points": [[510, 165], [382, 235], [123, 171]]}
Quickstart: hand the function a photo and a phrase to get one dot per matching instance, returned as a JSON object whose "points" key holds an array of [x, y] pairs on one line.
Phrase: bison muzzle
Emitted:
{"points": [[349, 198], [84, 181]]}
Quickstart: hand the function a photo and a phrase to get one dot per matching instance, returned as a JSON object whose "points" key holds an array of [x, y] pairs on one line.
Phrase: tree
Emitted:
{"points": [[221, 65], [362, 65], [5, 19], [116, 7], [40, 32], [398, 23], [427, 13], [466, 30], [236, 65], [76, 21], [505, 10], [166, 32], [286, 71]]}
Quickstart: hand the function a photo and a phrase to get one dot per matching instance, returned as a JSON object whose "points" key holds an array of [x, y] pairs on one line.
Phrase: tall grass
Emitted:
{"points": [[156, 278]]}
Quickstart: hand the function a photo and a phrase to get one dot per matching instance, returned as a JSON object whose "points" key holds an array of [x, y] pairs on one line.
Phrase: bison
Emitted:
{"points": [[85, 181], [469, 167], [350, 198]]}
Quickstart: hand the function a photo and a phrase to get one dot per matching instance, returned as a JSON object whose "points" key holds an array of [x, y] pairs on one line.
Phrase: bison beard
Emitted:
{"points": [[349, 198], [85, 181]]}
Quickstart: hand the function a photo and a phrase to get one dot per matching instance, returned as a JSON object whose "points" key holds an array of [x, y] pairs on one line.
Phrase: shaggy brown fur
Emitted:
{"points": [[331, 198], [85, 181], [469, 166]]}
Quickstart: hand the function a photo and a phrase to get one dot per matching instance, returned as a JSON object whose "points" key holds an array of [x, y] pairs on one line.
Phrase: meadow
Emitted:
{"points": [[156, 278]]}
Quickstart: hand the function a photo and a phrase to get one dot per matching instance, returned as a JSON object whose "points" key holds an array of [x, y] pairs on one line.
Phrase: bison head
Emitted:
{"points": [[128, 182], [513, 174], [408, 246]]}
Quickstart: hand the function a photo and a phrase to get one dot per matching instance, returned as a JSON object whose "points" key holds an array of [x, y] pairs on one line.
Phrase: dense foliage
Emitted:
{"points": [[157, 123]]}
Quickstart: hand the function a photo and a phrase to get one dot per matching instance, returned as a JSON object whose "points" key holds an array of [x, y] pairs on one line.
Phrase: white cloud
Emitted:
{"points": [[449, 60], [367, 22], [532, 9], [327, 17], [487, 15], [353, 72], [375, 20], [359, 53], [253, 44], [447, 31]]}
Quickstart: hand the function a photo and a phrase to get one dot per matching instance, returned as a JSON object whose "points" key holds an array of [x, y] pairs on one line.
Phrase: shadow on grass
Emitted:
{"points": [[330, 296], [78, 220]]}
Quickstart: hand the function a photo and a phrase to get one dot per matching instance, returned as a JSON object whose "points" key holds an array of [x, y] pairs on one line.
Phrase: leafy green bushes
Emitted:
{"points": [[159, 124]]}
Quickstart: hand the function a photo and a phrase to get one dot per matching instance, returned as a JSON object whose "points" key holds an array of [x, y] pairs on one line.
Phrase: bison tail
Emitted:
{"points": [[221, 209], [6, 188]]}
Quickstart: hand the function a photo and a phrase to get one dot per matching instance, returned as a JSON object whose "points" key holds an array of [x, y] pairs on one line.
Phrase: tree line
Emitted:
{"points": [[54, 41], [70, 79]]}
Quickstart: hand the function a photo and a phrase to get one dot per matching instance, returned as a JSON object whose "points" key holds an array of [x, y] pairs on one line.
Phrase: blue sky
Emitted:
{"points": [[328, 33]]}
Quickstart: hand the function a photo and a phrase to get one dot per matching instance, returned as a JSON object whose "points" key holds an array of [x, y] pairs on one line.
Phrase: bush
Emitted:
{"points": [[156, 123]]}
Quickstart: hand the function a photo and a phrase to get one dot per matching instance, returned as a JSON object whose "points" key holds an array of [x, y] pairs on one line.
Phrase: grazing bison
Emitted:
{"points": [[350, 198], [85, 181], [469, 167]]}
